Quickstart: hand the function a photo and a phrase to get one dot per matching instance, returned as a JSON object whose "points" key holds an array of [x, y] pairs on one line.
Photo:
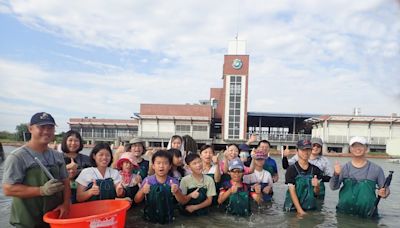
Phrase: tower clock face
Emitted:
{"points": [[237, 64]]}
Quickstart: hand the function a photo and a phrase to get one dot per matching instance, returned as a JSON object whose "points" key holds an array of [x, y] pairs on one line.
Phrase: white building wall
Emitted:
{"points": [[396, 131], [359, 129], [380, 130], [166, 126], [242, 109]]}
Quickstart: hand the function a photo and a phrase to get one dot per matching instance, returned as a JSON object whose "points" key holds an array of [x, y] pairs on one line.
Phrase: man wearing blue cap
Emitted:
{"points": [[34, 191]]}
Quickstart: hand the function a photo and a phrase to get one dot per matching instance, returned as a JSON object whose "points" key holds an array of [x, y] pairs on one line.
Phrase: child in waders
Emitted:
{"points": [[197, 187], [159, 190], [236, 192], [129, 180], [230, 154], [302, 180], [101, 181], [317, 159], [360, 178], [260, 176]]}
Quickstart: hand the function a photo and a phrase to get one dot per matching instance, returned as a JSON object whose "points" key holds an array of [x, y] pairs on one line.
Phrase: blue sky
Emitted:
{"points": [[94, 58]]}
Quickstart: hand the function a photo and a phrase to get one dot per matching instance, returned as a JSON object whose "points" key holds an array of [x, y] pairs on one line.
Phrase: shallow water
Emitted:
{"points": [[271, 214]]}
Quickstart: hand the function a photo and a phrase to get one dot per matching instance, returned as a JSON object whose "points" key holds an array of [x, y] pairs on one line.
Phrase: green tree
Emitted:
{"points": [[21, 130]]}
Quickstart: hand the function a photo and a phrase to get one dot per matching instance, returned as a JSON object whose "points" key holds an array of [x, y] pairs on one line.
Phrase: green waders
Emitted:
{"points": [[239, 204], [356, 197], [304, 191], [28, 212], [198, 200], [107, 189], [159, 204]]}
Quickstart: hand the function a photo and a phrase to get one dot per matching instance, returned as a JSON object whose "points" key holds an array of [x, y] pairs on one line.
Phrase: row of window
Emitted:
{"points": [[186, 128]]}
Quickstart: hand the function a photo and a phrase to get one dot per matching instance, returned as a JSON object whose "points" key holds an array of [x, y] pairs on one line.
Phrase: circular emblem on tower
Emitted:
{"points": [[237, 64]]}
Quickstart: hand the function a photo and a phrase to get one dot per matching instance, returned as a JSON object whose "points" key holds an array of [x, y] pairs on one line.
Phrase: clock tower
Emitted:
{"points": [[235, 76]]}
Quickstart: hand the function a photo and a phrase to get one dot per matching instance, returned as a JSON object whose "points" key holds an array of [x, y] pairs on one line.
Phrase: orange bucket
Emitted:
{"points": [[99, 213]]}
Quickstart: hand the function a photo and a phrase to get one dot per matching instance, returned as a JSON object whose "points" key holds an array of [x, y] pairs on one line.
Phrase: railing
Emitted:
{"points": [[339, 139], [281, 137]]}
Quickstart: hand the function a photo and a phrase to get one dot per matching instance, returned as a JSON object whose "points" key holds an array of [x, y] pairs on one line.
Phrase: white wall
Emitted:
{"points": [[359, 129], [393, 147]]}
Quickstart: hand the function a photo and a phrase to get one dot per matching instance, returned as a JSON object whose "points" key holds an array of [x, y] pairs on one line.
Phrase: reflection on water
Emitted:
{"points": [[270, 215]]}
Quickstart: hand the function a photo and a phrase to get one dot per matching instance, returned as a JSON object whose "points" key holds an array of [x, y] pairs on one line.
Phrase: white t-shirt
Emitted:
{"points": [[87, 176], [258, 177]]}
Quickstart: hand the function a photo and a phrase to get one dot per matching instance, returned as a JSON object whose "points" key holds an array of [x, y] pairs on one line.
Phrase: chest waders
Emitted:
{"points": [[159, 206], [107, 189], [269, 168], [28, 212], [304, 192], [239, 202], [198, 200], [357, 197], [131, 192], [266, 197], [217, 186], [321, 195]]}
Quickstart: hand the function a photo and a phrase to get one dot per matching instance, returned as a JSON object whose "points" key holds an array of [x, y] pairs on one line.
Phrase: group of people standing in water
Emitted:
{"points": [[180, 179]]}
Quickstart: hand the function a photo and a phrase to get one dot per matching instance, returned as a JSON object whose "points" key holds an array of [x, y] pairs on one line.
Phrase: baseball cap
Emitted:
{"points": [[236, 164], [317, 141], [358, 139], [259, 155], [42, 118], [244, 147], [304, 144]]}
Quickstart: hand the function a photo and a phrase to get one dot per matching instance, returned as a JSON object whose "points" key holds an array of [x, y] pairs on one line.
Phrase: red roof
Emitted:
{"points": [[195, 110], [96, 121]]}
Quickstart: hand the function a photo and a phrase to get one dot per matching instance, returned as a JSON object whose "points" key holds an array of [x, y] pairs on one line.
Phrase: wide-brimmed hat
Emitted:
{"points": [[136, 140], [127, 156]]}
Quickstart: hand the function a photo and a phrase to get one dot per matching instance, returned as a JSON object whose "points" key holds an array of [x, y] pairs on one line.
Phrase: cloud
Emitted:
{"points": [[306, 56]]}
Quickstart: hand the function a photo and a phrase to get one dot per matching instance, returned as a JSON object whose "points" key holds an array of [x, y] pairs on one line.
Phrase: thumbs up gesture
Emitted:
{"points": [[337, 168], [174, 187], [314, 181], [146, 188], [95, 190], [195, 194], [286, 152], [257, 188], [234, 188], [72, 169], [120, 189]]}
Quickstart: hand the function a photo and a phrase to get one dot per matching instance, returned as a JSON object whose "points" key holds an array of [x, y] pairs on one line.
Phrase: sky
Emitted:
{"points": [[103, 59]]}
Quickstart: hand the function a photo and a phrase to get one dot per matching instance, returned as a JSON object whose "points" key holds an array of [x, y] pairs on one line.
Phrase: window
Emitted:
{"points": [[235, 91], [199, 128], [184, 128]]}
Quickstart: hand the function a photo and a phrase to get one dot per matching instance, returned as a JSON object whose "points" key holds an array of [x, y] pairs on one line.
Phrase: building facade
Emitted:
{"points": [[336, 130]]}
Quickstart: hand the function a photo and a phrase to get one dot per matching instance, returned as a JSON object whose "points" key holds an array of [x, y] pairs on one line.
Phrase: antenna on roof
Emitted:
{"points": [[237, 22]]}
